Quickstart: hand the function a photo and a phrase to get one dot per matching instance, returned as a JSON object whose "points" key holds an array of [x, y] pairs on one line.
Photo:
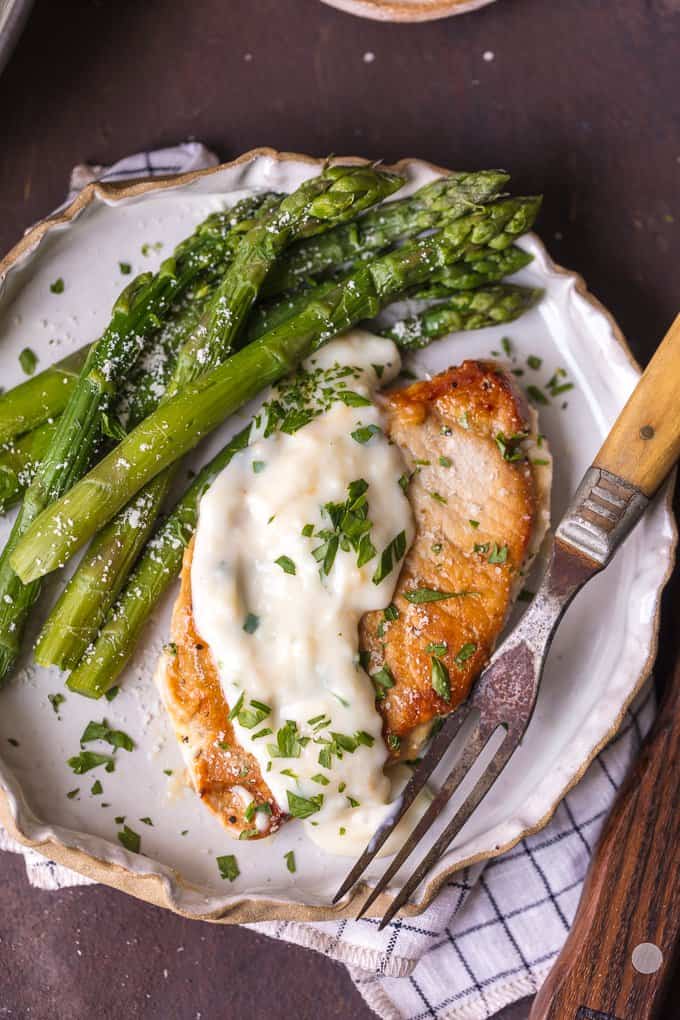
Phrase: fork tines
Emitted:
{"points": [[473, 747]]}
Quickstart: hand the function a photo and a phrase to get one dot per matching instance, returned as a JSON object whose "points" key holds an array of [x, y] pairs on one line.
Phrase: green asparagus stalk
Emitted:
{"points": [[474, 309], [18, 462], [43, 396], [318, 204], [137, 314], [155, 570], [486, 268], [179, 425], [433, 206]]}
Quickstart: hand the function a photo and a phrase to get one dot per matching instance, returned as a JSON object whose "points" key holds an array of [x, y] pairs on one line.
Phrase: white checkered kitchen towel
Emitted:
{"points": [[492, 934]]}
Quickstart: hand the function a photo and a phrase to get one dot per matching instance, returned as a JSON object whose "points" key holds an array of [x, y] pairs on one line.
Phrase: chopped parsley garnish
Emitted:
{"points": [[364, 738], [102, 731], [404, 481], [422, 463], [393, 742], [391, 613], [473, 524], [438, 498], [87, 760], [125, 268], [537, 395], [55, 701], [342, 830], [420, 595], [350, 529], [352, 801], [228, 867], [320, 779], [465, 652], [441, 683], [251, 623], [391, 554], [258, 465], [96, 788], [318, 722], [167, 772], [130, 839], [383, 680], [534, 362], [364, 433], [146, 821], [286, 772], [73, 793], [481, 547], [506, 344], [437, 648], [445, 462], [303, 807], [119, 819], [289, 858], [266, 732], [288, 742], [170, 648], [253, 716], [351, 399], [564, 388], [378, 369], [436, 548], [525, 595], [540, 461], [237, 708], [510, 445], [28, 360], [114, 691], [498, 554], [308, 530], [253, 808], [58, 286], [286, 564]]}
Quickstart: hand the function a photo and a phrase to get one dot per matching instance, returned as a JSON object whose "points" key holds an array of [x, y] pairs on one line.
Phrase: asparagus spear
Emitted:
{"points": [[177, 426], [484, 268], [432, 206], [18, 462], [136, 314], [474, 309], [42, 396], [487, 267], [337, 194]]}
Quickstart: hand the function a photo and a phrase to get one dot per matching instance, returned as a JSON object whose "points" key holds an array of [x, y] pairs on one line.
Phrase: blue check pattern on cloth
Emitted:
{"points": [[493, 932]]}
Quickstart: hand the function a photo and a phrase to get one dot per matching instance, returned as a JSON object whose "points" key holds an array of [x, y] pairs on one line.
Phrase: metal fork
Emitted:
{"points": [[635, 458]]}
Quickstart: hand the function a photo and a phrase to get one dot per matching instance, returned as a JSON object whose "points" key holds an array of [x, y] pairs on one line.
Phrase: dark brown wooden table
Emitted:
{"points": [[579, 100]]}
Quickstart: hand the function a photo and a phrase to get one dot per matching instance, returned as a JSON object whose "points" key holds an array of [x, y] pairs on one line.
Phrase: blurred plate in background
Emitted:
{"points": [[407, 10]]}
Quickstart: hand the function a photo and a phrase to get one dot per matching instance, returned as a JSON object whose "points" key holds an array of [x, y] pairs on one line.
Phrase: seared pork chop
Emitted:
{"points": [[473, 495]]}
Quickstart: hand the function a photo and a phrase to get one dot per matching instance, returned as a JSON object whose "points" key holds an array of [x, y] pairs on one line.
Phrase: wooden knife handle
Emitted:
{"points": [[631, 895], [644, 443]]}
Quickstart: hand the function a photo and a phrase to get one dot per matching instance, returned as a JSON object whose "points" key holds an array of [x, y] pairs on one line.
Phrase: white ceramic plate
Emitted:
{"points": [[602, 652]]}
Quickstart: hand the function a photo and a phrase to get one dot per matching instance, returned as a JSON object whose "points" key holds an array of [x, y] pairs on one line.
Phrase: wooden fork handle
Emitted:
{"points": [[631, 897], [644, 443]]}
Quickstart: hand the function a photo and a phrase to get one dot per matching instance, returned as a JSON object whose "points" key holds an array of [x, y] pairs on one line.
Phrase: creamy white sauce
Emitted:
{"points": [[301, 660]]}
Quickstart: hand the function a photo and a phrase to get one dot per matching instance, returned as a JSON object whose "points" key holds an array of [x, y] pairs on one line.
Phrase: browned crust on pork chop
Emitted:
{"points": [[472, 506], [189, 683]]}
